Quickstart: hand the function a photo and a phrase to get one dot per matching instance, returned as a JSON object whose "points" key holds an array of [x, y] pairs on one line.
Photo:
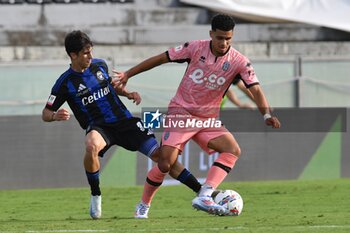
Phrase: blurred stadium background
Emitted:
{"points": [[300, 65]]}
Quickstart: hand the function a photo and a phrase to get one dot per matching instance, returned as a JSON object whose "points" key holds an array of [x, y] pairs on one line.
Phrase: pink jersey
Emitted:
{"points": [[207, 77]]}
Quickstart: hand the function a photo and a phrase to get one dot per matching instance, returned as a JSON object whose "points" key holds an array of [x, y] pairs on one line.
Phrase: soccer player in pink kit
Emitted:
{"points": [[212, 66]]}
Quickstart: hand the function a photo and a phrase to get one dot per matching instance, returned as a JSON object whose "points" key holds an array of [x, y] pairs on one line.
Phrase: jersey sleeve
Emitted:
{"points": [[182, 53], [57, 97], [247, 74]]}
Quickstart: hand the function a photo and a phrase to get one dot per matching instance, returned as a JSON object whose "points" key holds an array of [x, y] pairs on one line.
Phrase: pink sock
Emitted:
{"points": [[149, 190], [217, 174]]}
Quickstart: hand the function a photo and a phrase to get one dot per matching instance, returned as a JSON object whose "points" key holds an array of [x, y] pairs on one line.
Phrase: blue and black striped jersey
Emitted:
{"points": [[90, 95]]}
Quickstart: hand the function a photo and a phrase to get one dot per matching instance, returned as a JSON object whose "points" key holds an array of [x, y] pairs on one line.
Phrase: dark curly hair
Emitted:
{"points": [[76, 41], [222, 22]]}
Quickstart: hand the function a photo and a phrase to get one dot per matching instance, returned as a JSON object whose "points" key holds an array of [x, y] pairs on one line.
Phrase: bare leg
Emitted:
{"points": [[94, 143]]}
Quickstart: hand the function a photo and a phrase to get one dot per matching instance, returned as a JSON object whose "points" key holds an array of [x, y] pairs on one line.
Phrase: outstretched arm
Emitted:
{"points": [[264, 107], [130, 95], [121, 78]]}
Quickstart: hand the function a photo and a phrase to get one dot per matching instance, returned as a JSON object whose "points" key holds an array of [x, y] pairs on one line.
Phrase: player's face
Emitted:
{"points": [[82, 60], [221, 41]]}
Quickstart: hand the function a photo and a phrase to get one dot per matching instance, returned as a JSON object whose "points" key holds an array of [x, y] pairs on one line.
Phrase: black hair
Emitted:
{"points": [[76, 41], [222, 22]]}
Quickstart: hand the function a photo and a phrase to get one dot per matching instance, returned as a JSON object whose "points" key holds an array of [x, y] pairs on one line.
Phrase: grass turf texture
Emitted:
{"points": [[278, 206]]}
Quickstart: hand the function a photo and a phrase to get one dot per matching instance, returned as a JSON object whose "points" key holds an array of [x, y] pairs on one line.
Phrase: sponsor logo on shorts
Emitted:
{"points": [[139, 124], [166, 135]]}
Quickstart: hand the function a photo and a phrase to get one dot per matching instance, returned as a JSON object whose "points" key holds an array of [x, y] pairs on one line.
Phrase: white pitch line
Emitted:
{"points": [[65, 231], [192, 229], [233, 228]]}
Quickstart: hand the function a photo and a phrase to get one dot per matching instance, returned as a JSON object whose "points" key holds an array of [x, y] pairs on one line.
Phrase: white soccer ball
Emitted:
{"points": [[231, 200]]}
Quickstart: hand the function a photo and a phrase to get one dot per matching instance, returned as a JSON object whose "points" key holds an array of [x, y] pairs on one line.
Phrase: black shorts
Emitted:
{"points": [[129, 134]]}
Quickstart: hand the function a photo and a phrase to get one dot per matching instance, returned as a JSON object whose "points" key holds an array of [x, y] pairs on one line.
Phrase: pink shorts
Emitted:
{"points": [[201, 136]]}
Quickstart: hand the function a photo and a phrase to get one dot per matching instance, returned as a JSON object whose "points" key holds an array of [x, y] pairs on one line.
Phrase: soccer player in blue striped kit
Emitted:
{"points": [[86, 87]]}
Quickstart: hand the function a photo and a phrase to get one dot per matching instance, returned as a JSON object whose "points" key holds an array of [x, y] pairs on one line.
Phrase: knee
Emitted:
{"points": [[167, 158], [237, 151], [92, 148], [164, 167]]}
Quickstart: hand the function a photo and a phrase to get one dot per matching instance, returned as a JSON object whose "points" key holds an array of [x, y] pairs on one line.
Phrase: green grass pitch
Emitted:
{"points": [[275, 206]]}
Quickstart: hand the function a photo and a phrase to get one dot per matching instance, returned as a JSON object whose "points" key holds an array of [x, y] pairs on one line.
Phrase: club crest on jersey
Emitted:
{"points": [[99, 75], [225, 66]]}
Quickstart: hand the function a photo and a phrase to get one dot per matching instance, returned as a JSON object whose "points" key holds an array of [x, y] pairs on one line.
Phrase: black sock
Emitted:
{"points": [[94, 182], [189, 180]]}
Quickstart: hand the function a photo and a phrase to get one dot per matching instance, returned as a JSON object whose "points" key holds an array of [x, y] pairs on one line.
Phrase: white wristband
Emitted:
{"points": [[267, 116]]}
